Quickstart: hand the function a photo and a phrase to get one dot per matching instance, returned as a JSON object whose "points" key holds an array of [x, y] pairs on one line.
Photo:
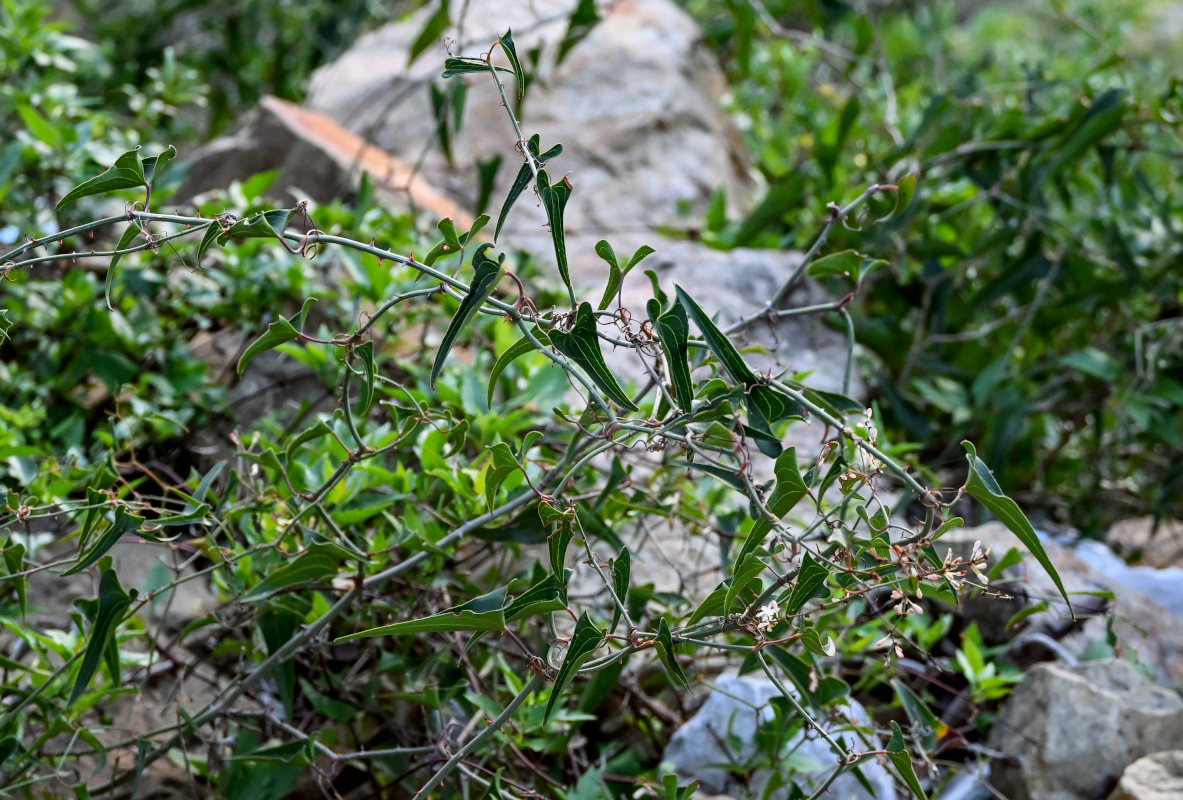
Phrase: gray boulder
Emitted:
{"points": [[636, 105], [1155, 777], [1067, 733], [717, 747]]}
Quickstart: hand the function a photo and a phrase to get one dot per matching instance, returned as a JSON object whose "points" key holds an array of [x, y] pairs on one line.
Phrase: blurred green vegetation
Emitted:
{"points": [[1033, 302]]}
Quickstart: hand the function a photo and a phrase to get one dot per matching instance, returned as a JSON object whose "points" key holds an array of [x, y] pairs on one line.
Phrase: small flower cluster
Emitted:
{"points": [[953, 571], [868, 465], [768, 616], [957, 568]]}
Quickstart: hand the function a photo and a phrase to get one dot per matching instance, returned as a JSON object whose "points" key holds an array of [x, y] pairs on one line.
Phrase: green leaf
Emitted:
{"points": [[582, 345], [503, 465], [124, 523], [154, 165], [39, 126], [129, 236], [264, 225], [316, 563], [718, 343], [112, 603], [982, 486], [897, 751], [516, 350], [14, 562], [431, 32], [484, 613], [488, 273], [810, 583], [665, 651], [511, 53], [790, 488], [579, 25], [584, 641], [742, 575], [365, 399], [314, 431], [712, 606], [449, 245], [617, 273], [548, 594], [1099, 119], [554, 201], [126, 173], [467, 66], [5, 324], [277, 333], [621, 572], [212, 231], [8, 746], [844, 264], [728, 476], [812, 641], [558, 540], [674, 332]]}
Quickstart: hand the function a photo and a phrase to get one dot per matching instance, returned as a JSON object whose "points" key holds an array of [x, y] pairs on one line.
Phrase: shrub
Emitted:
{"points": [[365, 635]]}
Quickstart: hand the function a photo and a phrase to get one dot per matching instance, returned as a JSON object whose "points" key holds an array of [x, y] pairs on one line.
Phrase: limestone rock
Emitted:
{"points": [[317, 159], [718, 745], [1155, 777], [636, 105], [1067, 733], [1139, 541]]}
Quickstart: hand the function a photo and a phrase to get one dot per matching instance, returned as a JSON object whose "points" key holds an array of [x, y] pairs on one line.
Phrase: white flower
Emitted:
{"points": [[767, 616]]}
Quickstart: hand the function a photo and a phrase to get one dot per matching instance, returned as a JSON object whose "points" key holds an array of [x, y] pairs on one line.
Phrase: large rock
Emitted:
{"points": [[717, 747], [1067, 733], [316, 159], [1155, 777], [636, 105], [1144, 630], [1145, 542]]}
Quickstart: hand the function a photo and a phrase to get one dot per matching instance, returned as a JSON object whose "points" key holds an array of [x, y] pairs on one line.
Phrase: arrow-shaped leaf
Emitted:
{"points": [[516, 350], [744, 574], [897, 751], [523, 177], [669, 659], [621, 571], [811, 580], [124, 523], [583, 346], [560, 538], [126, 173], [549, 594], [554, 201], [584, 641], [278, 332], [488, 273], [484, 613], [111, 604], [314, 564], [718, 343], [982, 486], [264, 225], [674, 333]]}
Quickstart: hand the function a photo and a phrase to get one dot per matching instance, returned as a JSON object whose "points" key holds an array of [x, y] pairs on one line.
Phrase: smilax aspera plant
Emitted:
{"points": [[358, 643]]}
